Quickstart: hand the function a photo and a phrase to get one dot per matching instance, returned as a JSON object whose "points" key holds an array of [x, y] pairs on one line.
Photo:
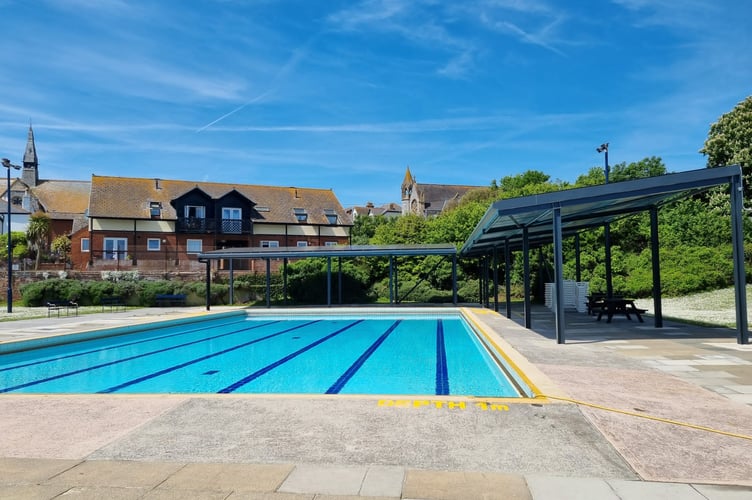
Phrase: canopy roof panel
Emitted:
{"points": [[328, 251], [581, 208]]}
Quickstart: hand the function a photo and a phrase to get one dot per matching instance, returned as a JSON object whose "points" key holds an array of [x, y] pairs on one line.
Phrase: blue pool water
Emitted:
{"points": [[438, 355]]}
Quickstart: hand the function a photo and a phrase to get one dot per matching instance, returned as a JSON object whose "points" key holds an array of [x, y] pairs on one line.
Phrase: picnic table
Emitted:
{"points": [[619, 305]]}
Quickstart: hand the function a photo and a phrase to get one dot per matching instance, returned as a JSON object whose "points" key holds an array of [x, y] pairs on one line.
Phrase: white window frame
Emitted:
{"points": [[199, 212], [229, 216], [301, 214], [85, 245], [149, 243], [302, 244], [115, 248], [269, 244], [189, 243], [331, 243], [155, 209], [331, 216]]}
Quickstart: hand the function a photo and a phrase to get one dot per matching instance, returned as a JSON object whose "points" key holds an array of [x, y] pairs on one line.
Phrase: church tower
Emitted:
{"points": [[407, 191], [30, 172]]}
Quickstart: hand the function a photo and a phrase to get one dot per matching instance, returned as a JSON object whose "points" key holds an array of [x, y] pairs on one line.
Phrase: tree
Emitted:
{"points": [[62, 246], [729, 141], [647, 167], [38, 233]]}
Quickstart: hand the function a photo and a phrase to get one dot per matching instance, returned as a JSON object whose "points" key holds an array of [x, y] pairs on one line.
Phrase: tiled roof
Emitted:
{"points": [[439, 194], [130, 197], [63, 199]]}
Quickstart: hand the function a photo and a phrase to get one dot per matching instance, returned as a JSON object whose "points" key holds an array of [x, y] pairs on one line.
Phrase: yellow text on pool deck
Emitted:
{"points": [[450, 405]]}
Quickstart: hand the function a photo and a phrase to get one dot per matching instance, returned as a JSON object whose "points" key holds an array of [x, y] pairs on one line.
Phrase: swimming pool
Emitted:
{"points": [[315, 353]]}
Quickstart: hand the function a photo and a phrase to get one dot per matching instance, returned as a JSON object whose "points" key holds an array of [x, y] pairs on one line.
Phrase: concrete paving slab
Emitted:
{"points": [[383, 481], [31, 492], [31, 471], [328, 480], [352, 497], [228, 477], [451, 485], [100, 492], [272, 496], [640, 490], [569, 488], [118, 474], [717, 492]]}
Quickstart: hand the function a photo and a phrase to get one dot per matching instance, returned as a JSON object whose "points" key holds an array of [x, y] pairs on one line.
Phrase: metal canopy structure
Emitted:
{"points": [[328, 252], [521, 223]]}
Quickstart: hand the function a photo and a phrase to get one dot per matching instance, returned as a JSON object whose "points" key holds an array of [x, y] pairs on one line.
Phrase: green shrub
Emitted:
{"points": [[39, 293]]}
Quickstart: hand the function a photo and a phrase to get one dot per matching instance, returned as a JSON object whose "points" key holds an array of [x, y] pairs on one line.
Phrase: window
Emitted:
{"points": [[193, 246], [115, 248], [302, 243], [84, 244], [153, 244], [300, 214], [330, 243], [155, 209], [231, 220], [195, 211], [17, 200], [269, 244], [331, 215]]}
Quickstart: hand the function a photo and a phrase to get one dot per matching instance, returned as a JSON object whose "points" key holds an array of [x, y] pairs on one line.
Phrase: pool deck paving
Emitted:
{"points": [[632, 412]]}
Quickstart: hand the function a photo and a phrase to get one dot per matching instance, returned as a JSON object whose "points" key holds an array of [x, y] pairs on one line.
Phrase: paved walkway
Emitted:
{"points": [[691, 384]]}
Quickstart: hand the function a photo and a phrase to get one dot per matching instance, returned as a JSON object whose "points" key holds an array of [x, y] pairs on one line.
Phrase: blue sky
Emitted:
{"points": [[346, 94]]}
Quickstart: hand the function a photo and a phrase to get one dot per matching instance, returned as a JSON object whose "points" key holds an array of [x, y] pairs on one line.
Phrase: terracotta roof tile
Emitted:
{"points": [[129, 197], [63, 199]]}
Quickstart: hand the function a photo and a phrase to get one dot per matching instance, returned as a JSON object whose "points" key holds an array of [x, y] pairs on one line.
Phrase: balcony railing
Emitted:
{"points": [[198, 225]]}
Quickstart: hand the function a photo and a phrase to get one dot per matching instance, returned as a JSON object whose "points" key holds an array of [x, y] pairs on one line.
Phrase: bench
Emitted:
{"points": [[113, 303], [59, 305], [620, 306], [166, 299]]}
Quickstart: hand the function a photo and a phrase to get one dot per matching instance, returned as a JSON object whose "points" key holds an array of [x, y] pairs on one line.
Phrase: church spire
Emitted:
{"points": [[30, 172]]}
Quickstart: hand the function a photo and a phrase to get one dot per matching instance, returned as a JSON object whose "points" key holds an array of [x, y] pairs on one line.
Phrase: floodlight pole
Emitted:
{"points": [[603, 148], [8, 165]]}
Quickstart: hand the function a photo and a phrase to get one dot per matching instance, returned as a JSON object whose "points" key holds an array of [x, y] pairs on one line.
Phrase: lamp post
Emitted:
{"points": [[603, 148], [7, 164]]}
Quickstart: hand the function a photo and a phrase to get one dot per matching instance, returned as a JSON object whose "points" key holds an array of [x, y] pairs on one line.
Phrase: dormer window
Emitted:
{"points": [[300, 214], [331, 215], [155, 209], [17, 200]]}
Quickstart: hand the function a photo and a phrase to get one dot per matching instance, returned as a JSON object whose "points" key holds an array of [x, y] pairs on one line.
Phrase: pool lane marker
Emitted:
{"points": [[202, 358], [118, 346], [253, 376], [129, 358], [442, 374], [350, 372]]}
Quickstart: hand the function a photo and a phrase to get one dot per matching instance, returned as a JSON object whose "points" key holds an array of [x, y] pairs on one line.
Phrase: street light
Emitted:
{"points": [[7, 164], [603, 148]]}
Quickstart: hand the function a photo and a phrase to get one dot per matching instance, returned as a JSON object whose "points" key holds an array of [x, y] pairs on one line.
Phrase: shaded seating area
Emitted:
{"points": [[526, 223], [619, 305]]}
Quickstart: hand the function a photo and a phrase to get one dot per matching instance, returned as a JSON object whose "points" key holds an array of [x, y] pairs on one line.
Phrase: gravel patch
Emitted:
{"points": [[716, 307]]}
